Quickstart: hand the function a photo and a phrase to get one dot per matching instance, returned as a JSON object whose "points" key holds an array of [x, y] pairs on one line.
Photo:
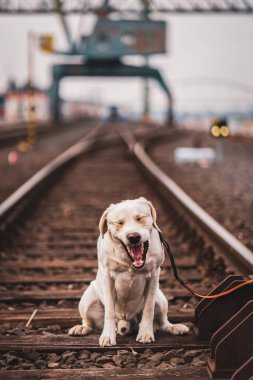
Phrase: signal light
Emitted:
{"points": [[13, 157], [47, 43], [220, 131], [224, 131], [215, 131]]}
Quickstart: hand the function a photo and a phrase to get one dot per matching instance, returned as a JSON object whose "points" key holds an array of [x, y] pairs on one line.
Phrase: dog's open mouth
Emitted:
{"points": [[137, 254]]}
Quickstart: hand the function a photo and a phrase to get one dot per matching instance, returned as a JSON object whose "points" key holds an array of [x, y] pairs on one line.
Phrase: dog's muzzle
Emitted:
{"points": [[136, 252]]}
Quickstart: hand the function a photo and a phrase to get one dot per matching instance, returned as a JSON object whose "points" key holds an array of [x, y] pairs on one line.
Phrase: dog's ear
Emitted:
{"points": [[153, 212], [103, 221], [143, 199], [154, 215]]}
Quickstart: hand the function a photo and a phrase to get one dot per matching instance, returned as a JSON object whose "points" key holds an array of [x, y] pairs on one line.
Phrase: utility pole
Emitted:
{"points": [[146, 105], [31, 126]]}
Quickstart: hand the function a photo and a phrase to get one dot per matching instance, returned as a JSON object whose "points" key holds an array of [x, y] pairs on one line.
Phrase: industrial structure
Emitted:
{"points": [[130, 31]]}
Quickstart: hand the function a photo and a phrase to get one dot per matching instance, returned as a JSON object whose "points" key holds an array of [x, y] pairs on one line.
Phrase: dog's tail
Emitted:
{"points": [[123, 327]]}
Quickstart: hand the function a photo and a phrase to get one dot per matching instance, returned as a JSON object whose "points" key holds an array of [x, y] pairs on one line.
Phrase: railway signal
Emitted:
{"points": [[46, 43], [219, 128]]}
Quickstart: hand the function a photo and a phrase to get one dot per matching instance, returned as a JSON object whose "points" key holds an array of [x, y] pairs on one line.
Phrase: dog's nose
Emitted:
{"points": [[133, 237]]}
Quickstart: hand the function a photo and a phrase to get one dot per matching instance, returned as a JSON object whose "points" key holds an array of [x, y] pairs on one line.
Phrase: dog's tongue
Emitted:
{"points": [[136, 251]]}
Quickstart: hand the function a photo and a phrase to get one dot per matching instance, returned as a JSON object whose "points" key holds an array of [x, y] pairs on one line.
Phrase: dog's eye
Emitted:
{"points": [[139, 218], [120, 222]]}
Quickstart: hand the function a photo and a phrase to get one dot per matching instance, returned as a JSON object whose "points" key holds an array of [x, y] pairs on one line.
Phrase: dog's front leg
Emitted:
{"points": [[146, 329], [108, 336]]}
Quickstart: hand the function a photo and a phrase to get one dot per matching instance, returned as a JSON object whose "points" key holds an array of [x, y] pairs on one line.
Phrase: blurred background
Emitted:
{"points": [[205, 60]]}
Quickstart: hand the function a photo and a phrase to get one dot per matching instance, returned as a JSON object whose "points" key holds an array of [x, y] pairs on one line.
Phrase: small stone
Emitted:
{"points": [[40, 364], [108, 366], [32, 354], [150, 365], [170, 354], [177, 361], [2, 330], [84, 354], [70, 360], [67, 354], [46, 333], [86, 365], [156, 357], [181, 351], [123, 352], [17, 331], [204, 355], [11, 359], [64, 366], [164, 365], [186, 308], [129, 361], [197, 362], [26, 365], [28, 304], [148, 351], [117, 359], [53, 365], [110, 353], [103, 359], [64, 303], [190, 355], [94, 356], [54, 328], [142, 360], [53, 357]]}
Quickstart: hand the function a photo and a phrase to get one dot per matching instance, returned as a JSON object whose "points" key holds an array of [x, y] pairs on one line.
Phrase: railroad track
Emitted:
{"points": [[49, 257], [13, 134]]}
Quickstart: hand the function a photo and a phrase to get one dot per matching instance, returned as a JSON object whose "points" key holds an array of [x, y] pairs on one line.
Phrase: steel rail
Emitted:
{"points": [[242, 255], [11, 207], [12, 203], [206, 222], [13, 134]]}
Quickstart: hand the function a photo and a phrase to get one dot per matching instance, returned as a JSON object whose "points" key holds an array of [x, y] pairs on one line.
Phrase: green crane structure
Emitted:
{"points": [[103, 49]]}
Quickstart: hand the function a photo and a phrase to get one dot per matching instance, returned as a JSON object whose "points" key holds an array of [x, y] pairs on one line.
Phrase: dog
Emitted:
{"points": [[125, 295]]}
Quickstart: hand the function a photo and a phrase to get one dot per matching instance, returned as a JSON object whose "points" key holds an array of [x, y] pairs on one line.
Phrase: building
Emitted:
{"points": [[19, 100]]}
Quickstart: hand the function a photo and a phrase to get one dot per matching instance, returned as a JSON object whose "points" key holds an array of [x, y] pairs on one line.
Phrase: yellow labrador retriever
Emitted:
{"points": [[125, 295]]}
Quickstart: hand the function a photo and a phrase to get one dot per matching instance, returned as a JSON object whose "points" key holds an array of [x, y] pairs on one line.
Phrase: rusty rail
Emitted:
{"points": [[242, 255], [13, 202]]}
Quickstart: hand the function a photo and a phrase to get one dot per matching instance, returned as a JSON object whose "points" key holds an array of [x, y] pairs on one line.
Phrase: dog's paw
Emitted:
{"points": [[145, 335], [178, 329], [107, 340], [79, 330]]}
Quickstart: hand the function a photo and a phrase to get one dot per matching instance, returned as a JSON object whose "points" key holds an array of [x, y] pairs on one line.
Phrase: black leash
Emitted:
{"points": [[173, 264], [182, 282]]}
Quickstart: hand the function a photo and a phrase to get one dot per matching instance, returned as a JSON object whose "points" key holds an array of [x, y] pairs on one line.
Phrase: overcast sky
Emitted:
{"points": [[198, 46]]}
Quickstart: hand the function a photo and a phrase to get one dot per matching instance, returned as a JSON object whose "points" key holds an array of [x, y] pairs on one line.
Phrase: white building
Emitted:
{"points": [[18, 102]]}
